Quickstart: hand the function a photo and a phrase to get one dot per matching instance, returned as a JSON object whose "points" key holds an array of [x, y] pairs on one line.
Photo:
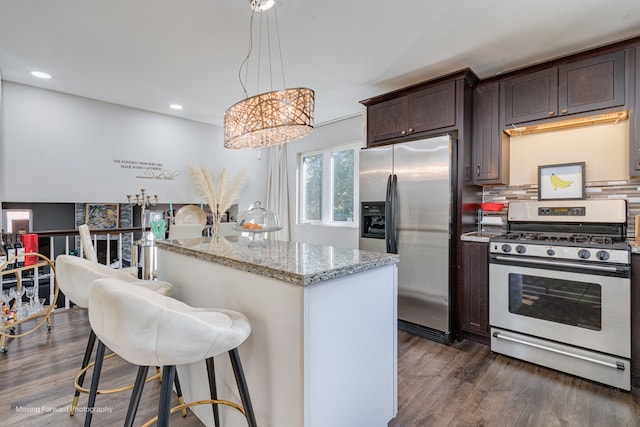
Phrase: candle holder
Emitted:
{"points": [[143, 200]]}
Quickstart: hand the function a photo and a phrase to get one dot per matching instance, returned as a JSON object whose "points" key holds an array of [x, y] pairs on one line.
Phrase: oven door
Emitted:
{"points": [[581, 305]]}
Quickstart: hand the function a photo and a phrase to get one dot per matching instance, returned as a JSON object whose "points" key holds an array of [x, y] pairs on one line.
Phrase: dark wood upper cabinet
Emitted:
{"points": [[432, 108], [490, 144], [634, 126], [591, 84], [411, 112], [573, 87], [531, 97], [387, 120]]}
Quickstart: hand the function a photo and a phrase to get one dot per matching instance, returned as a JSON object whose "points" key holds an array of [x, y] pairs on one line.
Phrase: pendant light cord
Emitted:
{"points": [[245, 62], [246, 59]]}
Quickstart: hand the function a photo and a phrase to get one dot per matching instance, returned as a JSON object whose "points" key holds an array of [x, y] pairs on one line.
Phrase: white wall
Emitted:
{"points": [[329, 135], [604, 148], [62, 148]]}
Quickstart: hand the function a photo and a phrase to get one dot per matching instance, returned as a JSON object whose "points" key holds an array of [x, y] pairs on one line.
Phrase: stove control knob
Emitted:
{"points": [[506, 248], [521, 249], [551, 252], [602, 255], [584, 254]]}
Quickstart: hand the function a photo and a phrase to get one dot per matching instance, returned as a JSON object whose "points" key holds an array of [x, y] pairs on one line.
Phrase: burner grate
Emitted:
{"points": [[578, 239]]}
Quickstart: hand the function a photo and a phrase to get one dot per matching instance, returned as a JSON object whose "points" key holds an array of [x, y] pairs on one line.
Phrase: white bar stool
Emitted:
{"points": [[74, 275], [148, 329]]}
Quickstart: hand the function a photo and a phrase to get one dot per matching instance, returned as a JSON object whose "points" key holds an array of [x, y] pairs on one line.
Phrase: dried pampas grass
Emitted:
{"points": [[220, 194]]}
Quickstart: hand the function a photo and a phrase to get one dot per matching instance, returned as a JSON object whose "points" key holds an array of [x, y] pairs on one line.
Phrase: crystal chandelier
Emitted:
{"points": [[269, 118]]}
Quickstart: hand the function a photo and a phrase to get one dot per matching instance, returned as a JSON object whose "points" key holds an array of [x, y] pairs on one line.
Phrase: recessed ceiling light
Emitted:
{"points": [[40, 75], [175, 106]]}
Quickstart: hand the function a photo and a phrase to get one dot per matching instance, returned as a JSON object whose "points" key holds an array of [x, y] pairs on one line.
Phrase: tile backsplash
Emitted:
{"points": [[621, 189]]}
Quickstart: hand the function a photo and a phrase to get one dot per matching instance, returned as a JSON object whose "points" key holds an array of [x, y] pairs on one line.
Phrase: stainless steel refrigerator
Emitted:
{"points": [[406, 199]]}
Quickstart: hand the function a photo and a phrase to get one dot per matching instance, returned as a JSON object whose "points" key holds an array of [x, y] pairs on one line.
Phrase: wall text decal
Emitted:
{"points": [[150, 170]]}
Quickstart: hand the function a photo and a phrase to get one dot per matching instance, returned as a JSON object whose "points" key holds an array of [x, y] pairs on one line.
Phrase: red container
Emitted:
{"points": [[491, 207], [30, 243]]}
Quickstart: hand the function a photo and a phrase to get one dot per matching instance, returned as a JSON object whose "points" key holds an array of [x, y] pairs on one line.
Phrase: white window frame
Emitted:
{"points": [[327, 188], [9, 214]]}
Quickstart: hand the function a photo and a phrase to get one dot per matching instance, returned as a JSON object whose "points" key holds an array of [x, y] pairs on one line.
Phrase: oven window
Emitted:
{"points": [[561, 301]]}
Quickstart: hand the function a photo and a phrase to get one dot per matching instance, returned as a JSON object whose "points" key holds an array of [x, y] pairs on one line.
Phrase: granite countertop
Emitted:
{"points": [[475, 236], [297, 263]]}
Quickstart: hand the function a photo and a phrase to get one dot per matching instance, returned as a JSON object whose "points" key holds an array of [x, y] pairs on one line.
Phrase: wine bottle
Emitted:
{"points": [[3, 251], [11, 252], [19, 247]]}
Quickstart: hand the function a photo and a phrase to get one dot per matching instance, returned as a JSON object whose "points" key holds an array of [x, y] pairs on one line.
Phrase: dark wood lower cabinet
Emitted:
{"points": [[635, 320], [474, 293]]}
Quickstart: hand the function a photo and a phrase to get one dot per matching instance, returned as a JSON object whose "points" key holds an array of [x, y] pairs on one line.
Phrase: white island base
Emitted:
{"points": [[319, 355]]}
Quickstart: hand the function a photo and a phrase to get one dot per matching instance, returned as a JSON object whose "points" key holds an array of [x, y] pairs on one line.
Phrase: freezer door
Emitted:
{"points": [[375, 168], [423, 200]]}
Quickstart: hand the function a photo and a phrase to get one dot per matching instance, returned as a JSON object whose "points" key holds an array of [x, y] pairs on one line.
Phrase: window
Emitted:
{"points": [[16, 220], [328, 185]]}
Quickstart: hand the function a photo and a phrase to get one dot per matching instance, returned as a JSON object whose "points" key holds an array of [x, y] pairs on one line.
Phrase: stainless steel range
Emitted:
{"points": [[560, 288]]}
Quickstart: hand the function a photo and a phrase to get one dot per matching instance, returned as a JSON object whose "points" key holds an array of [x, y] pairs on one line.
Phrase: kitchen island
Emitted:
{"points": [[323, 347]]}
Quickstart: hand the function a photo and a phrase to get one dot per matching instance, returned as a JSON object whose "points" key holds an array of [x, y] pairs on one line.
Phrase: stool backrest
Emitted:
{"points": [[87, 244], [185, 231], [148, 329], [75, 274]]}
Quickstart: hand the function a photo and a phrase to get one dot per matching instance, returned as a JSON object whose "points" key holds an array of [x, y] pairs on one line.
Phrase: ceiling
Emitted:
{"points": [[147, 54]]}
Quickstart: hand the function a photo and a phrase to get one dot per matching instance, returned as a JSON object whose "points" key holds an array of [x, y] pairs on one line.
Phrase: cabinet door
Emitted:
{"points": [[432, 108], [387, 120], [490, 167], [591, 84], [531, 97], [634, 142], [475, 288]]}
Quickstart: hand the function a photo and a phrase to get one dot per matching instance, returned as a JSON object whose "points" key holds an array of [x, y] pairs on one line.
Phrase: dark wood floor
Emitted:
{"points": [[459, 385]]}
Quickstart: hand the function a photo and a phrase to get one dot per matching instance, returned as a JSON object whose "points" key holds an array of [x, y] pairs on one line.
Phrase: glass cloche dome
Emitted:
{"points": [[258, 220]]}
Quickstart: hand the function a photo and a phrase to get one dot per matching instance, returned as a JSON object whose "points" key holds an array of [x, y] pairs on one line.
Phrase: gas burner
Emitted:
{"points": [[552, 238], [521, 236], [601, 240], [589, 239], [580, 238]]}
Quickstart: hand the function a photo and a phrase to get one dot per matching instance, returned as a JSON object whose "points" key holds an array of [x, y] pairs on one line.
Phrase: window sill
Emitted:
{"points": [[326, 224]]}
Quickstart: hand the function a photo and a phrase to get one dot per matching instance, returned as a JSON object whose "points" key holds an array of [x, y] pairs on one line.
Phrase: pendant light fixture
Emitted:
{"points": [[269, 118]]}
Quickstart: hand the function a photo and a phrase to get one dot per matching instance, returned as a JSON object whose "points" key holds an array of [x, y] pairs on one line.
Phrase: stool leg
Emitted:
{"points": [[213, 390], [94, 383], [164, 407], [176, 382], [91, 342], [136, 394], [242, 387]]}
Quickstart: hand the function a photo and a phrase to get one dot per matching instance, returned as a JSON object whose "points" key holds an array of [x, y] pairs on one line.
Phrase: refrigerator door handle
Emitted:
{"points": [[387, 216], [394, 211], [390, 215]]}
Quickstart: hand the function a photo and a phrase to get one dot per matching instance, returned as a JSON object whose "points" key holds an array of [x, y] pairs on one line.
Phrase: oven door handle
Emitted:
{"points": [[609, 268], [617, 365]]}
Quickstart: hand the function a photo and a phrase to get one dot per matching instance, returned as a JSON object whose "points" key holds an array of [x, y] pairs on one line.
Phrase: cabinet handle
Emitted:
{"points": [[410, 130], [565, 111], [551, 113], [478, 170], [403, 132]]}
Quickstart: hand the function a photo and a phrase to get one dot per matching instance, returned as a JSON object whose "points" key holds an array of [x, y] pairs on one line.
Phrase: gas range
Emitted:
{"points": [[586, 230], [560, 285]]}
